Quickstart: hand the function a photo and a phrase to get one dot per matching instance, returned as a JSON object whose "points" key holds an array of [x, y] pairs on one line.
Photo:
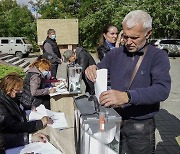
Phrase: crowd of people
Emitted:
{"points": [[138, 75]]}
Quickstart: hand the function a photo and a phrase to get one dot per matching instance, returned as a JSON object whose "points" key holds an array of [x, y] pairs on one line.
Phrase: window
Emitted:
{"points": [[4, 41], [18, 41], [176, 42]]}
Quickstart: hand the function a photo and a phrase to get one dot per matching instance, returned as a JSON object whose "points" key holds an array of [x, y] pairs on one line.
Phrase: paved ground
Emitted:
{"points": [[168, 119]]}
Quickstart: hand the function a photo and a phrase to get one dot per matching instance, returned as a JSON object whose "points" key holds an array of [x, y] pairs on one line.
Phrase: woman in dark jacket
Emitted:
{"points": [[107, 40], [34, 91], [13, 122]]}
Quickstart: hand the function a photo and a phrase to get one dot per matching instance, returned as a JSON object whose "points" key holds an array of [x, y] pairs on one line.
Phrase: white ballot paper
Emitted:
{"points": [[40, 148], [57, 117], [59, 92], [101, 82]]}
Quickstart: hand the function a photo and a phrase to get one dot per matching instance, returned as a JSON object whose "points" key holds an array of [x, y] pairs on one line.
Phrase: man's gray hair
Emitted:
{"points": [[136, 17]]}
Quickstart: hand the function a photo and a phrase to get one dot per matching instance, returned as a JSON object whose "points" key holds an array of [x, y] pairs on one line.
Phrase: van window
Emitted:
{"points": [[18, 41], [170, 42], [4, 41]]}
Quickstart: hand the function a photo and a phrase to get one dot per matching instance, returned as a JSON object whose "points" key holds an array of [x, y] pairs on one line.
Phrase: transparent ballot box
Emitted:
{"points": [[98, 127], [74, 76]]}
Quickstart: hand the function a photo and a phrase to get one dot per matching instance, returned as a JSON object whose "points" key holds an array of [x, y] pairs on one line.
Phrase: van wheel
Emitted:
{"points": [[19, 54]]}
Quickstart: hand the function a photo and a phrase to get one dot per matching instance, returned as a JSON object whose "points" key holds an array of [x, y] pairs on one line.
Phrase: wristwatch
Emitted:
{"points": [[129, 96]]}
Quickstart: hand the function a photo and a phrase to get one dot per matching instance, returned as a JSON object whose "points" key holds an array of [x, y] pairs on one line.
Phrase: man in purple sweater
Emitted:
{"points": [[138, 102]]}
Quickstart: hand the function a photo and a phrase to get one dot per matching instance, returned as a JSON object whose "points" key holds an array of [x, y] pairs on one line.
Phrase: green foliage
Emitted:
{"points": [[5, 70], [16, 21], [92, 16]]}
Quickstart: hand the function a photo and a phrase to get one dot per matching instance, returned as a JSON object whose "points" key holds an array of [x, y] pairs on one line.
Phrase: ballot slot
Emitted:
{"points": [[89, 112]]}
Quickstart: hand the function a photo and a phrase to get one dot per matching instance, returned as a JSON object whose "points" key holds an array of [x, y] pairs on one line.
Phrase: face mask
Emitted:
{"points": [[17, 97], [53, 36], [48, 75], [45, 73]]}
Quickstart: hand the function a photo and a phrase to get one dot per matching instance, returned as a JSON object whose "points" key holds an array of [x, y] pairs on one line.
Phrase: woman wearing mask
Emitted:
{"points": [[14, 127], [108, 40], [34, 89]]}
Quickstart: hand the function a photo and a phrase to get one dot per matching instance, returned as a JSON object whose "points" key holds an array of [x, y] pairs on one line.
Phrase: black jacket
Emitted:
{"points": [[84, 59], [2, 145], [55, 55], [26, 98], [34, 91], [13, 122], [102, 50]]}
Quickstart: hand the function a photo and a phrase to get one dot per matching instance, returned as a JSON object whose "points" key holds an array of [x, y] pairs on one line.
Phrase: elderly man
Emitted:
{"points": [[51, 51], [140, 80]]}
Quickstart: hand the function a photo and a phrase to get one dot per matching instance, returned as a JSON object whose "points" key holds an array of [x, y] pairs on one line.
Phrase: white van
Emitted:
{"points": [[19, 46]]}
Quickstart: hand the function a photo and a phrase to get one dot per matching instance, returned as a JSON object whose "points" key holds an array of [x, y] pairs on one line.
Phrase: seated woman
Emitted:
{"points": [[13, 123], [34, 91]]}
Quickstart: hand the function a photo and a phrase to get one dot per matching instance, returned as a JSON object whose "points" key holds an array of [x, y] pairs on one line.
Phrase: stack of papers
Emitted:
{"points": [[40, 148], [57, 117]]}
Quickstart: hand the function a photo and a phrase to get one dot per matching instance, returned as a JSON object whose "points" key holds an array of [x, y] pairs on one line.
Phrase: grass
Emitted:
{"points": [[5, 70]]}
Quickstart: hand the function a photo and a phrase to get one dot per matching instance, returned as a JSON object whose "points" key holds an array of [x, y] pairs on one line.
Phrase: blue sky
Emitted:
{"points": [[24, 2]]}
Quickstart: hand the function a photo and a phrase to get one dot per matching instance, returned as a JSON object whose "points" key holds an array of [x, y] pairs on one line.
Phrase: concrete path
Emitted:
{"points": [[168, 118]]}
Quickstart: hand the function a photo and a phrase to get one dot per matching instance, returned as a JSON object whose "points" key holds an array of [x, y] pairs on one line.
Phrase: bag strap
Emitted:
{"points": [[137, 66]]}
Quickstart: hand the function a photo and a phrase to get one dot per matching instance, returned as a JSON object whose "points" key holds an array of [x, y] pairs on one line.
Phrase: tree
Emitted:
{"points": [[16, 21], [94, 14]]}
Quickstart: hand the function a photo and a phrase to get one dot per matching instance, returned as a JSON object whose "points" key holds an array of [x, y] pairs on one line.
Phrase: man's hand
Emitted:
{"points": [[113, 98], [39, 137], [91, 73], [119, 40]]}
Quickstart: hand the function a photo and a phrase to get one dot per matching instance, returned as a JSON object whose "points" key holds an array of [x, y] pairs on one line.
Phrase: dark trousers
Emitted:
{"points": [[54, 68], [138, 137]]}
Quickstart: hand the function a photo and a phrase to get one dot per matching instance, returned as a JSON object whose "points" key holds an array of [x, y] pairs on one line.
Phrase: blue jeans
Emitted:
{"points": [[138, 137]]}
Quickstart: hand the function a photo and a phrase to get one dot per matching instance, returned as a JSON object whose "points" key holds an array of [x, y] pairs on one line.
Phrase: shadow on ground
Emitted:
{"points": [[169, 128]]}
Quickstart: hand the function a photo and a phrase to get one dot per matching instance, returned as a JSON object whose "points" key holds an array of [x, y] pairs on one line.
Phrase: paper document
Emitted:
{"points": [[61, 88], [59, 92], [101, 82], [57, 117], [40, 148]]}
